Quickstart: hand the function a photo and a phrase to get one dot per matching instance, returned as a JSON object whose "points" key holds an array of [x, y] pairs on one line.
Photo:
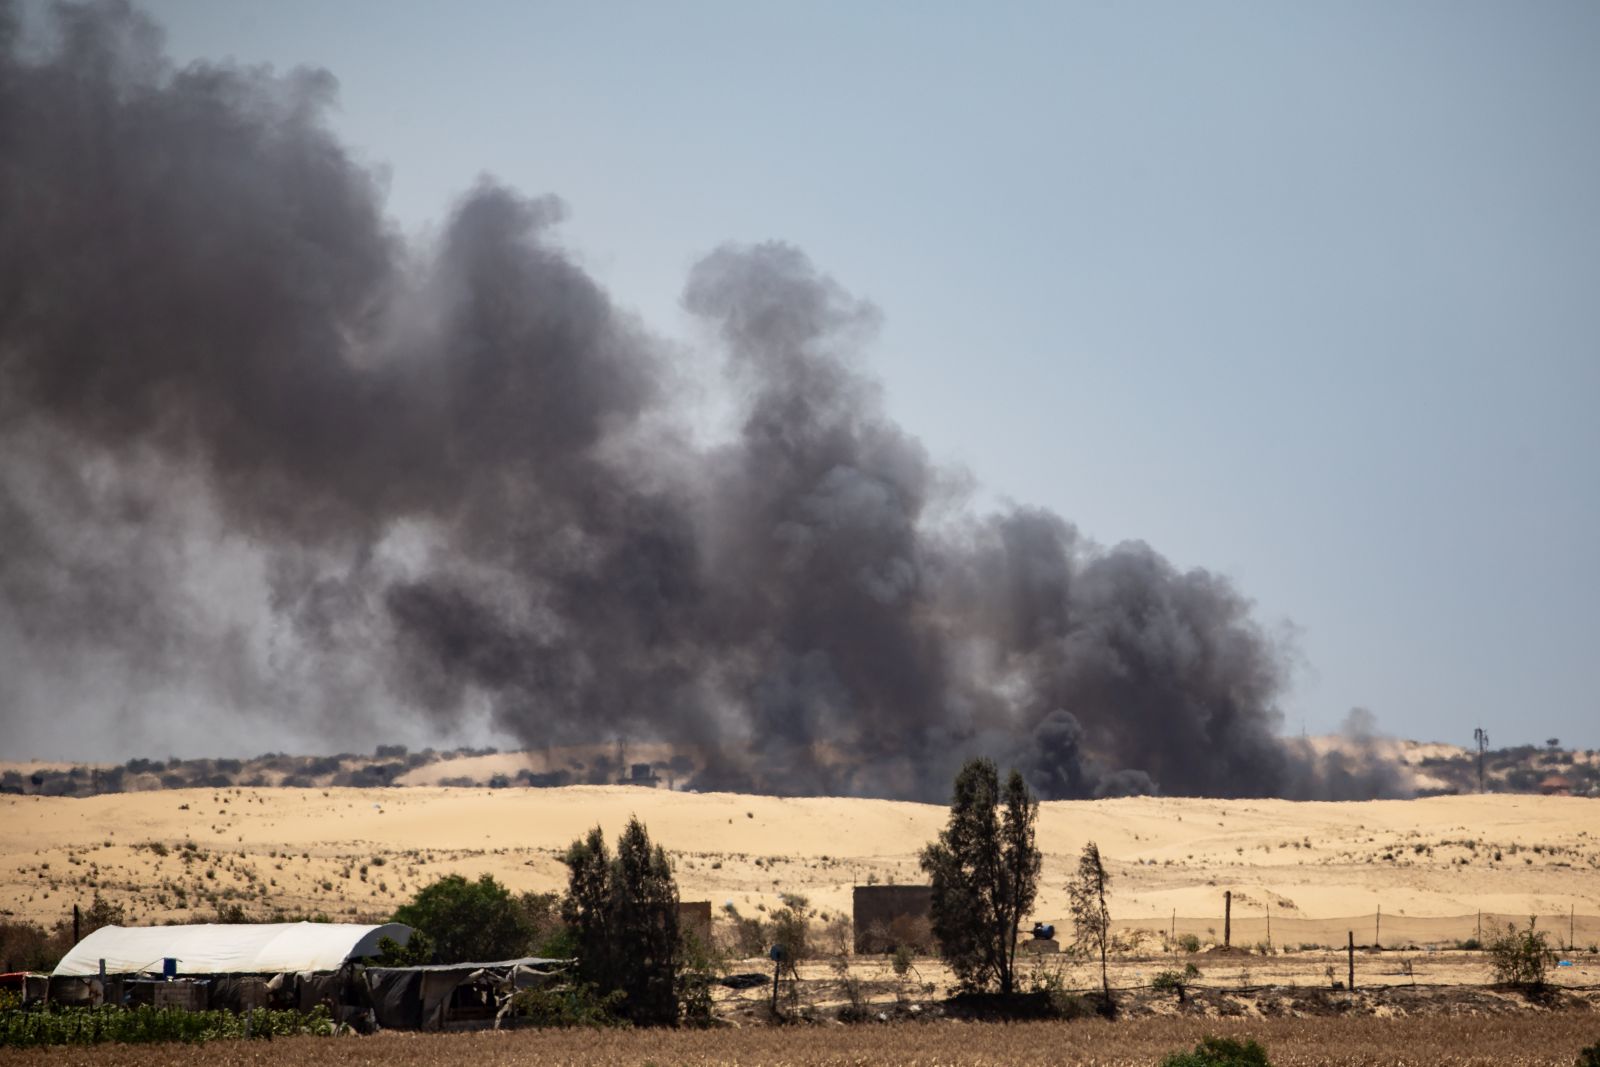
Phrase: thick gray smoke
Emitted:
{"points": [[254, 445]]}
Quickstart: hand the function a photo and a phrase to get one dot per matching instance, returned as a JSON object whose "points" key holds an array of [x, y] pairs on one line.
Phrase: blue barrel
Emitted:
{"points": [[169, 968]]}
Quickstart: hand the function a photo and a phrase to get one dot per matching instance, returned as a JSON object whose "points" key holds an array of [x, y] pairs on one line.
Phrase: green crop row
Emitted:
{"points": [[93, 1026]]}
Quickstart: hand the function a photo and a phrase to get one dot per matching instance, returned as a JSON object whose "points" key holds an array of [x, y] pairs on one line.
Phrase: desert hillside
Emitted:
{"points": [[182, 854]]}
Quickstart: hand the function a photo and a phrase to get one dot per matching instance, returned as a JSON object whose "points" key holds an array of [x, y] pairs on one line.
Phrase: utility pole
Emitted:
{"points": [[1351, 948], [1227, 919], [1481, 736]]}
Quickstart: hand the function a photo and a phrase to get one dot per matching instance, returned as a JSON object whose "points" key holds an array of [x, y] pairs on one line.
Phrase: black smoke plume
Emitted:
{"points": [[263, 459]]}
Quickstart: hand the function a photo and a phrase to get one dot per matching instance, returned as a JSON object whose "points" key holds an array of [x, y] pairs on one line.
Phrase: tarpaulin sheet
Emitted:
{"points": [[234, 948]]}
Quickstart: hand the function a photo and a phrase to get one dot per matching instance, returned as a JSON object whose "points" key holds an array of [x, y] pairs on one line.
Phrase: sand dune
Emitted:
{"points": [[347, 851]]}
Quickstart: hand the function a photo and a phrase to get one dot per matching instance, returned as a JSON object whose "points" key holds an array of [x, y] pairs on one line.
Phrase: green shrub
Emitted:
{"points": [[1189, 942], [1220, 1052], [702, 965], [1521, 957], [1589, 1057], [1175, 981], [789, 928], [570, 1004], [750, 936], [856, 1008]]}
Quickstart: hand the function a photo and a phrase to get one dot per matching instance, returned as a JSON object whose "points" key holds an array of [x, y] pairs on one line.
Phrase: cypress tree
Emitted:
{"points": [[624, 914], [985, 875]]}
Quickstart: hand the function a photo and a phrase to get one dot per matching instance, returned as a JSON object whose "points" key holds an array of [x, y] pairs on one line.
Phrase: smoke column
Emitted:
{"points": [[262, 458]]}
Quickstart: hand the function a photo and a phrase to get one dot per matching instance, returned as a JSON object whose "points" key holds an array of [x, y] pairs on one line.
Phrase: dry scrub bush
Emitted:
{"points": [[1521, 957]]}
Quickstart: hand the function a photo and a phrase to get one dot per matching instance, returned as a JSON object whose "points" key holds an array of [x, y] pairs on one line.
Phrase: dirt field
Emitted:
{"points": [[1525, 1041], [1400, 983]]}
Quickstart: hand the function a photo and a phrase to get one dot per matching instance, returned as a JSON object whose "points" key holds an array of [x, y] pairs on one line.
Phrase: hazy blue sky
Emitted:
{"points": [[1305, 294]]}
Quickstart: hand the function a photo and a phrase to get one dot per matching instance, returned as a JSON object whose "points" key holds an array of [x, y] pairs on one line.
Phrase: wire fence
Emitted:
{"points": [[1376, 929]]}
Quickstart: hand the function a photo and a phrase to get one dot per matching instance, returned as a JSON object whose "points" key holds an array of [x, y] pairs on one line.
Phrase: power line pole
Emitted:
{"points": [[1350, 946]]}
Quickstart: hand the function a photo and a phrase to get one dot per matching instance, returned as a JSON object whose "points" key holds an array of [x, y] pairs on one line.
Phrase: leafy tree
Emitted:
{"points": [[417, 951], [1091, 920], [985, 874], [100, 912], [548, 934], [623, 912], [791, 929], [467, 921]]}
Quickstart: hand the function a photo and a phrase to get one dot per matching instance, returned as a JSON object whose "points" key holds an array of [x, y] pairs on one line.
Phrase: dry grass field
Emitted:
{"points": [[1529, 1040]]}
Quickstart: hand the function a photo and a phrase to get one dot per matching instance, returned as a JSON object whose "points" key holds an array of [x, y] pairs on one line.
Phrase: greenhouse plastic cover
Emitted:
{"points": [[215, 948]]}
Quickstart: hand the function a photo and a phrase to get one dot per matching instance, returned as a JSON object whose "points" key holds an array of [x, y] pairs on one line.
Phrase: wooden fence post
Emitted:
{"points": [[1351, 947], [1227, 919]]}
